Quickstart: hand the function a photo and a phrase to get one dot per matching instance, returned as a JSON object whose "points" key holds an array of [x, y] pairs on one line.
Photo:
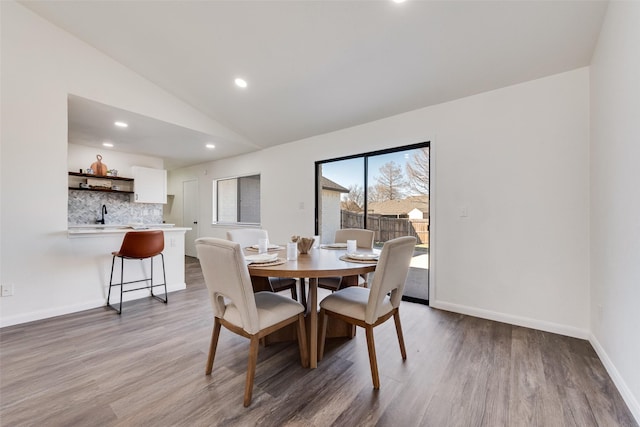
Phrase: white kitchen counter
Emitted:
{"points": [[94, 230]]}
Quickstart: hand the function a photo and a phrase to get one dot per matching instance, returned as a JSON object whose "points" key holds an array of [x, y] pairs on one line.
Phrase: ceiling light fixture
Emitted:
{"points": [[210, 146], [398, 1], [121, 124], [107, 144], [240, 82]]}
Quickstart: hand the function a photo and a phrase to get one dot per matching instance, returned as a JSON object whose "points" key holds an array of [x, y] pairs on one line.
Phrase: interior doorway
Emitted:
{"points": [[190, 215]]}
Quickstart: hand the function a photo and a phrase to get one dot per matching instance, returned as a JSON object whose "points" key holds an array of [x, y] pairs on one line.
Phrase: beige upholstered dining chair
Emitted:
{"points": [[250, 236], [369, 307], [238, 309], [363, 238]]}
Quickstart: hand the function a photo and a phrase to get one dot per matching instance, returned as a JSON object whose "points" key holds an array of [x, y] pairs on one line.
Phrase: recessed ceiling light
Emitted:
{"points": [[121, 124], [398, 1], [107, 144], [210, 146], [240, 82]]}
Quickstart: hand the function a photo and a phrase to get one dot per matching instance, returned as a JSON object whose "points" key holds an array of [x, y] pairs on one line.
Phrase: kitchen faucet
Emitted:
{"points": [[104, 211]]}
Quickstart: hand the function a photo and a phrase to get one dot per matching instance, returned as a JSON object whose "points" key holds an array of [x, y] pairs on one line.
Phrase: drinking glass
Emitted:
{"points": [[263, 246], [292, 251]]}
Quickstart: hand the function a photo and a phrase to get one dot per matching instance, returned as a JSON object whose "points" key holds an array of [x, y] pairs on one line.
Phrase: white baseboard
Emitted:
{"points": [[87, 305], [627, 395], [541, 325]]}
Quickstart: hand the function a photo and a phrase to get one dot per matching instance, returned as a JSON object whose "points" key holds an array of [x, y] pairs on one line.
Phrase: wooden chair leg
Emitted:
{"points": [[302, 341], [372, 356], [251, 369], [322, 329], [303, 296], [365, 277], [215, 334], [396, 319], [294, 293]]}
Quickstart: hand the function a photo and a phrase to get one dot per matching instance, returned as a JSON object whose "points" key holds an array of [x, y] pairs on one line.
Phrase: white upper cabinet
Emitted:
{"points": [[149, 185]]}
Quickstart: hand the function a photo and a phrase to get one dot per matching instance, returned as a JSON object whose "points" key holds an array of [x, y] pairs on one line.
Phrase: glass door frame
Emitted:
{"points": [[365, 157]]}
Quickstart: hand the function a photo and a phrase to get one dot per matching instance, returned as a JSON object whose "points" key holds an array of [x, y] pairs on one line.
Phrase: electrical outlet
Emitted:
{"points": [[7, 290]]}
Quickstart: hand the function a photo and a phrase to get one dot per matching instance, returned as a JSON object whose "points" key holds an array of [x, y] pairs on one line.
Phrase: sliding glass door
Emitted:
{"points": [[385, 191]]}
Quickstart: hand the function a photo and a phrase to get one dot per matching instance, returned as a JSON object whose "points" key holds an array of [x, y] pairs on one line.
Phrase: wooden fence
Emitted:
{"points": [[388, 228]]}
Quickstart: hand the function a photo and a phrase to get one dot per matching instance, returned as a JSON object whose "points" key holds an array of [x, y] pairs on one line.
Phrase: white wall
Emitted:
{"points": [[41, 65], [81, 157], [615, 198], [517, 158]]}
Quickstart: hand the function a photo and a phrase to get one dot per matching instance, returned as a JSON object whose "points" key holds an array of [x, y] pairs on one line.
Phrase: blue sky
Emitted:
{"points": [[348, 172]]}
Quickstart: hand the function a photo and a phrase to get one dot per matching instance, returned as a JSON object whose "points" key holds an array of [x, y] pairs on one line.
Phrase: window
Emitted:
{"points": [[357, 191], [236, 200]]}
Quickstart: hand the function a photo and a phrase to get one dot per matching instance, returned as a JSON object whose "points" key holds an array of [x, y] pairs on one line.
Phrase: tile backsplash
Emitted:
{"points": [[84, 207]]}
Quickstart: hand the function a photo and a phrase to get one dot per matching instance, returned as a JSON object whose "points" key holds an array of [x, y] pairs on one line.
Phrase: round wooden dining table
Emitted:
{"points": [[319, 262]]}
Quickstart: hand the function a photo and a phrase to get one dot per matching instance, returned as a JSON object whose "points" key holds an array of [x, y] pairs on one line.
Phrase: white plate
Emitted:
{"points": [[260, 258], [270, 246], [336, 245], [363, 256]]}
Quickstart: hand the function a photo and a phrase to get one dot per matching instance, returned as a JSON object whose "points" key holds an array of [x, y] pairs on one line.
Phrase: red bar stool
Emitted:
{"points": [[139, 245]]}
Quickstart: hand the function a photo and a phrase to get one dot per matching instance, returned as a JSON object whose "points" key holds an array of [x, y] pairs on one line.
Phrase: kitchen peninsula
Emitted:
{"points": [[92, 245]]}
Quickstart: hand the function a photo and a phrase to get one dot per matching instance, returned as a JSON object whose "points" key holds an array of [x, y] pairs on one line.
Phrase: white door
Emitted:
{"points": [[190, 215]]}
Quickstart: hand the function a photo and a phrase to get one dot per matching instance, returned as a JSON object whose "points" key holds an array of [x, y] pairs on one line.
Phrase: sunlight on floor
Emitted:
{"points": [[420, 261]]}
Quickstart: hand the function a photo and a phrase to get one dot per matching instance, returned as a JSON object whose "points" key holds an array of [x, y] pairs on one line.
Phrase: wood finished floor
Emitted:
{"points": [[146, 367]]}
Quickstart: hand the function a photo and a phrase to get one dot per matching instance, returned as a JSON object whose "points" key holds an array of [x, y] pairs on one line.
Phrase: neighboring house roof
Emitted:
{"points": [[400, 206], [327, 184]]}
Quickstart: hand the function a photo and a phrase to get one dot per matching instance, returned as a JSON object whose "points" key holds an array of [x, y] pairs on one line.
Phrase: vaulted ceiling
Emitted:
{"points": [[314, 67]]}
